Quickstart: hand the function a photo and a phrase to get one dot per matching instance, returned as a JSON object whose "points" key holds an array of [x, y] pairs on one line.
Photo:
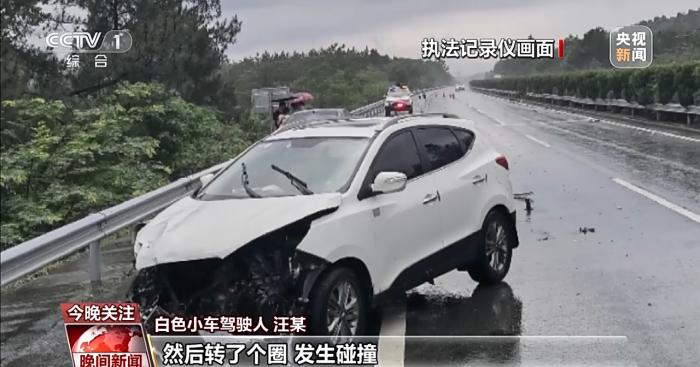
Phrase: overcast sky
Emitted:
{"points": [[396, 27]]}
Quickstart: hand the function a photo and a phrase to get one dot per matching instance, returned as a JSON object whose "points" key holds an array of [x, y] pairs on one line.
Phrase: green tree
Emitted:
{"points": [[676, 40], [178, 43], [25, 70], [337, 76], [75, 158]]}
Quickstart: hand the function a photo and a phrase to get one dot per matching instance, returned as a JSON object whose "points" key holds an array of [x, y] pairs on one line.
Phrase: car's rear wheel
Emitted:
{"points": [[387, 112], [495, 252], [339, 305], [410, 110]]}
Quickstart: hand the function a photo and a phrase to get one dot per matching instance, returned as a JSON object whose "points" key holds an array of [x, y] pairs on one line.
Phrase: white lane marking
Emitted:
{"points": [[659, 200], [680, 166], [538, 141], [12, 310], [488, 116], [613, 123], [392, 336]]}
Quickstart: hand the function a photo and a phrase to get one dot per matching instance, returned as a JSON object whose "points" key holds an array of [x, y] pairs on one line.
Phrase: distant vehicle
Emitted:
{"points": [[398, 99], [315, 114], [460, 87]]}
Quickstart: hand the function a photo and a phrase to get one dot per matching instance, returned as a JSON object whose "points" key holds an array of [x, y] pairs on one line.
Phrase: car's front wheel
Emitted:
{"points": [[495, 252], [339, 305]]}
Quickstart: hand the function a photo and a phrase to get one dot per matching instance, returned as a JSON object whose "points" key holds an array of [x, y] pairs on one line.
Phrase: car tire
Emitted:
{"points": [[410, 110], [327, 295], [387, 112], [495, 251]]}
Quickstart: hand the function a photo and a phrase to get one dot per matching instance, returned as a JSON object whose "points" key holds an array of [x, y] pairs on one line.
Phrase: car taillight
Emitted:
{"points": [[399, 105], [502, 161]]}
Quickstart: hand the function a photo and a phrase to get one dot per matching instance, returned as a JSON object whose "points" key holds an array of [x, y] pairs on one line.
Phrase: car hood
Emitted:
{"points": [[194, 229]]}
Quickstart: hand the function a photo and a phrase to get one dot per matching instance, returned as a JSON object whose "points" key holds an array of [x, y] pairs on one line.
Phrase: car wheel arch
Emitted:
{"points": [[356, 265]]}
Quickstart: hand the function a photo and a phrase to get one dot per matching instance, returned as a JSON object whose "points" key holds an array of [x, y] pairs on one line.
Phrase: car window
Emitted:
{"points": [[399, 154], [466, 138], [440, 145]]}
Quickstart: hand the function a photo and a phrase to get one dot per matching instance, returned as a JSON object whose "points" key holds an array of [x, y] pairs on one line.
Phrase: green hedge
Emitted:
{"points": [[677, 83]]}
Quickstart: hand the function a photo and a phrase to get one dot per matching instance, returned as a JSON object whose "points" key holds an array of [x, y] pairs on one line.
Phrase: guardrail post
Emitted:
{"points": [[95, 264]]}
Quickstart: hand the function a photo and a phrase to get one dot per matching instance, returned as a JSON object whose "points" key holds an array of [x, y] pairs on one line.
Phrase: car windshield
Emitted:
{"points": [[287, 167], [399, 92]]}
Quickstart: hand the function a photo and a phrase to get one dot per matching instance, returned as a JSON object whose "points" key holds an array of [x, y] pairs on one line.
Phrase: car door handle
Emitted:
{"points": [[429, 198], [479, 179]]}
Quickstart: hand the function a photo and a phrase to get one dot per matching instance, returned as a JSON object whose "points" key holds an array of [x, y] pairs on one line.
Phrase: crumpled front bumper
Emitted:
{"points": [[257, 283]]}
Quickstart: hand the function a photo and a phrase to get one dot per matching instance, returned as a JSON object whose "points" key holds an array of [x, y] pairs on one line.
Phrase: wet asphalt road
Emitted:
{"points": [[625, 294]]}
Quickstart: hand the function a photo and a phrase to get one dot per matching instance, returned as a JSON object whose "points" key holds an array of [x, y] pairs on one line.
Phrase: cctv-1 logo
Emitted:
{"points": [[115, 41]]}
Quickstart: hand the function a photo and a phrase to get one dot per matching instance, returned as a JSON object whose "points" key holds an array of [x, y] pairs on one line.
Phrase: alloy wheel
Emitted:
{"points": [[342, 313], [496, 246]]}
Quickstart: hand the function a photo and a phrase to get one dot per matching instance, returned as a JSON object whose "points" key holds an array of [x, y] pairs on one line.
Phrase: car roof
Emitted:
{"points": [[364, 127], [397, 91], [347, 127]]}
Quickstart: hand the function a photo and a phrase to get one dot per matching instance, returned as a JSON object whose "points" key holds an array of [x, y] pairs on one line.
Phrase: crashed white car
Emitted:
{"points": [[329, 219]]}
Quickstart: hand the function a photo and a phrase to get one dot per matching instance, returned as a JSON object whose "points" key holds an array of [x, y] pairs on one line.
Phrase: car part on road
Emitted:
{"points": [[526, 198]]}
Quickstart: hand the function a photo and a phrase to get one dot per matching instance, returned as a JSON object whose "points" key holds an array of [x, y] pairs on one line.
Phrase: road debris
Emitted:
{"points": [[585, 230], [543, 235], [525, 196]]}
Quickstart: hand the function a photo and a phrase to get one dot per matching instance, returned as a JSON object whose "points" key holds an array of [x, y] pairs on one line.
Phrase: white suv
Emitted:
{"points": [[329, 219]]}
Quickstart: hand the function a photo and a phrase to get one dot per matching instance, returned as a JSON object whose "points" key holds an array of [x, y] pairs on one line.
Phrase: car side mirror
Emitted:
{"points": [[388, 182], [206, 178]]}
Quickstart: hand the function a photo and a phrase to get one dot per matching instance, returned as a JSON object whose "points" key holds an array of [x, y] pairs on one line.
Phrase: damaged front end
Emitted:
{"points": [[267, 277]]}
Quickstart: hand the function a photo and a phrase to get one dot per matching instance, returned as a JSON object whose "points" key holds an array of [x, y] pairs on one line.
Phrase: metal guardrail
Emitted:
{"points": [[656, 108], [38, 252], [371, 110]]}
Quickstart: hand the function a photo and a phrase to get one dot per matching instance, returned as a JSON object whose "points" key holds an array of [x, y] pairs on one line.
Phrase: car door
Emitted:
{"points": [[459, 180], [469, 188], [406, 224]]}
